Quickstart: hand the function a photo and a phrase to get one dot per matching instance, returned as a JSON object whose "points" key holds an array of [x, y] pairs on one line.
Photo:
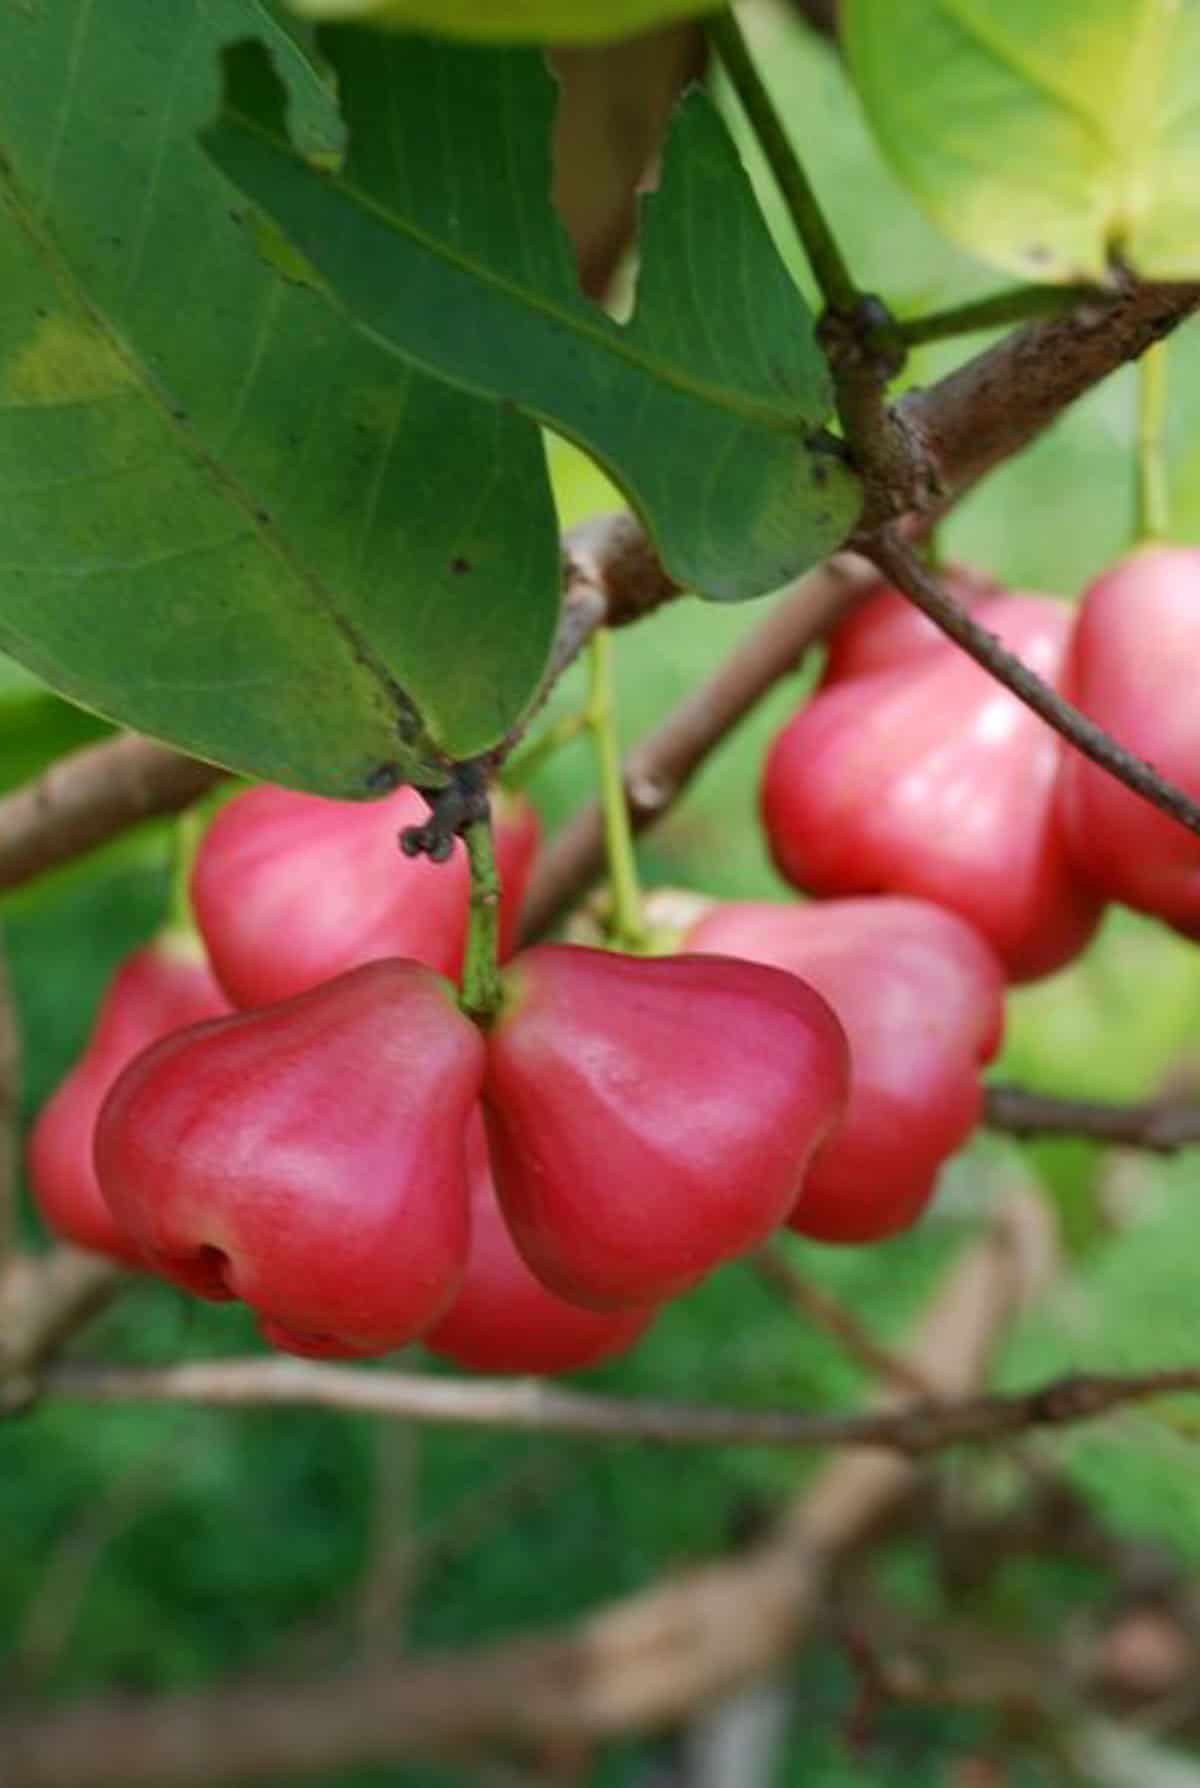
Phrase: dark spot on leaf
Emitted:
{"points": [[820, 476], [262, 515], [458, 564], [180, 415], [1039, 254]]}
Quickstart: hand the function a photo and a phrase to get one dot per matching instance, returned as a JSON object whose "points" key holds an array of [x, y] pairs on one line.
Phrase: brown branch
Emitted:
{"points": [[827, 1313], [660, 768], [902, 567], [610, 576], [990, 409], [634, 1666], [958, 430], [44, 1299], [90, 796], [1162, 1126], [532, 1405]]}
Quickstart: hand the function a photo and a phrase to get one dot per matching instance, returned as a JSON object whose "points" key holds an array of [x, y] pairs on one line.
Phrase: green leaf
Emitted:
{"points": [[513, 21], [1048, 139], [439, 237], [230, 520]]}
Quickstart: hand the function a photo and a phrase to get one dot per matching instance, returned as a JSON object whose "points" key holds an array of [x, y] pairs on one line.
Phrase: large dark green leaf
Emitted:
{"points": [[439, 237], [229, 519]]}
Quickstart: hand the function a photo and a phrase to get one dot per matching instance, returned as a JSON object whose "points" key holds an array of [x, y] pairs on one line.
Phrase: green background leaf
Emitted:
{"points": [[1046, 138], [513, 21], [229, 520], [439, 237]]}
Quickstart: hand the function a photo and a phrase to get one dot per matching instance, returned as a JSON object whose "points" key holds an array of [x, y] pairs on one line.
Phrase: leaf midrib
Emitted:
{"points": [[611, 338]]}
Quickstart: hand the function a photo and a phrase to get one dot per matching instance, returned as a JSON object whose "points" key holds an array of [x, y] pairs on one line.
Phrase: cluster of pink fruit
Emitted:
{"points": [[362, 1164]]}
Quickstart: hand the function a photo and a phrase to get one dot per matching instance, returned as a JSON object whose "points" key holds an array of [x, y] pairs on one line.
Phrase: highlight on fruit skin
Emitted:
{"points": [[1132, 669], [911, 771], [503, 1319], [290, 889], [650, 1118], [307, 1157], [162, 987], [921, 997]]}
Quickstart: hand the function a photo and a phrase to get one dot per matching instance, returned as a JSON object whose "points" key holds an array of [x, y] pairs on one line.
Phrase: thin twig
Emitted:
{"points": [[90, 796], [44, 1299], [917, 1430], [826, 1312], [958, 429], [639, 1664], [1162, 1126], [384, 1591], [660, 768], [902, 567], [991, 408]]}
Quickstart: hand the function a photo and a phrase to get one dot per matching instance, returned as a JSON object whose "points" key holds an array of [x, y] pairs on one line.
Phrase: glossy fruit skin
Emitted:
{"points": [[307, 1157], [651, 1118], [885, 630], [928, 778], [1132, 668], [161, 988], [290, 890], [921, 997], [503, 1319]]}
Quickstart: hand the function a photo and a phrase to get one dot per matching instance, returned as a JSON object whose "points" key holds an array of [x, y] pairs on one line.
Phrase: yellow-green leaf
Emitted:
{"points": [[1050, 139]]}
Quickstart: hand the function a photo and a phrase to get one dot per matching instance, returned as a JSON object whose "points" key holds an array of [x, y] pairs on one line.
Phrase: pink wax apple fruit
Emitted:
{"points": [[503, 1319], [651, 1118], [885, 629], [290, 890], [1133, 669], [911, 771], [921, 997], [307, 1157], [162, 987]]}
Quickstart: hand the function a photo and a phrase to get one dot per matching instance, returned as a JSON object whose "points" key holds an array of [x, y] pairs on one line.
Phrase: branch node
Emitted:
{"points": [[462, 803]]}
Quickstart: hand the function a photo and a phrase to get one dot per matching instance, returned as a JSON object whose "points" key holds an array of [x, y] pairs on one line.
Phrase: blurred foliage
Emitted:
{"points": [[147, 1548]]}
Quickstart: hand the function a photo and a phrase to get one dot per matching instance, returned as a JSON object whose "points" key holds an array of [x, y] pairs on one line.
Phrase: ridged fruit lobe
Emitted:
{"points": [[161, 988], [290, 890], [1133, 670], [503, 1319], [650, 1118], [912, 771], [921, 997], [308, 1158]]}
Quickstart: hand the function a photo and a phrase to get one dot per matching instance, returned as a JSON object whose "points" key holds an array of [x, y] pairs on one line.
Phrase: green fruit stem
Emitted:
{"points": [[482, 992], [186, 836], [628, 921], [1153, 500], [520, 771]]}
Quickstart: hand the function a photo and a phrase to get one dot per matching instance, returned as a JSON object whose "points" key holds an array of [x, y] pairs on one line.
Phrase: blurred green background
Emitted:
{"points": [[144, 1549]]}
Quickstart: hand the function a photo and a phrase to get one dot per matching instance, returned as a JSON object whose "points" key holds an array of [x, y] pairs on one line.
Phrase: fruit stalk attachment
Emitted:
{"points": [[628, 925], [481, 990], [1153, 501]]}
